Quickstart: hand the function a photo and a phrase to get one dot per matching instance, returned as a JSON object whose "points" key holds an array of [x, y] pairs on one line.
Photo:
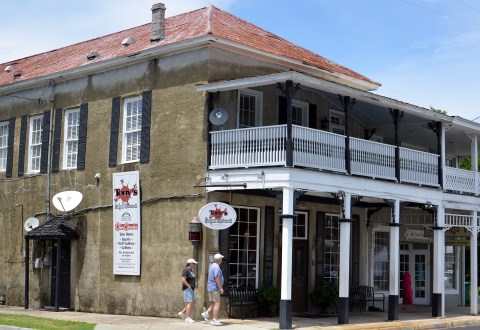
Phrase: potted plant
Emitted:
{"points": [[269, 296], [325, 295]]}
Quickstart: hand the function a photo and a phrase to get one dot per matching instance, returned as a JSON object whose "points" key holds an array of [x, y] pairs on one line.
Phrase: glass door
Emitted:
{"points": [[420, 283]]}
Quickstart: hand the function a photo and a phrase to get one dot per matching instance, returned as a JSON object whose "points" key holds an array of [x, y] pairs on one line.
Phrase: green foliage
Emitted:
{"points": [[466, 163], [325, 295], [42, 323], [443, 112], [270, 297]]}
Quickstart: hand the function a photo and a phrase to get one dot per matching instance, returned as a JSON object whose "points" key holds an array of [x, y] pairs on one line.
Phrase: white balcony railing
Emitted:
{"points": [[460, 220], [265, 146]]}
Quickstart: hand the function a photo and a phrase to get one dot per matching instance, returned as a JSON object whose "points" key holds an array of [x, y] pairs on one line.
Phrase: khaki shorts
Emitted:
{"points": [[214, 296]]}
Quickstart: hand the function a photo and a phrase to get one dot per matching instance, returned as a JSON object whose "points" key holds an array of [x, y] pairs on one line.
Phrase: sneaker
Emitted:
{"points": [[181, 315], [205, 316], [215, 322], [189, 320]]}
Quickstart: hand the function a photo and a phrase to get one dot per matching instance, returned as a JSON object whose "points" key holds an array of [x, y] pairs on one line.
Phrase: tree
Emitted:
{"points": [[443, 112]]}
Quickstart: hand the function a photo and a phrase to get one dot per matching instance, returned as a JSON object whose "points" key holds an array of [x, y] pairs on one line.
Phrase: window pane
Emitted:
{"points": [[72, 123], [3, 146], [35, 143], [132, 118], [381, 261]]}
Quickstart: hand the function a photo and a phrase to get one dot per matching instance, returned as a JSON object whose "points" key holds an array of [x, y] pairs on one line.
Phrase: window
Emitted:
{"points": [[331, 249], [35, 144], [451, 267], [299, 113], [70, 149], [300, 225], [243, 248], [337, 122], [381, 260], [3, 145], [132, 126], [250, 104]]}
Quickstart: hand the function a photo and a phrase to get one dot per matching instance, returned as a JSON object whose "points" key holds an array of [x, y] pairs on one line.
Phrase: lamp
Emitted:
{"points": [[195, 231]]}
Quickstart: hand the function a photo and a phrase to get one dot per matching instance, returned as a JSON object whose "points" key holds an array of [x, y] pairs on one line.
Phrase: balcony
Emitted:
{"points": [[325, 151]]}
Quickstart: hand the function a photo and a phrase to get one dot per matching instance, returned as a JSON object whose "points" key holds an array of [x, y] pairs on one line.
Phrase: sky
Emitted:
{"points": [[423, 52]]}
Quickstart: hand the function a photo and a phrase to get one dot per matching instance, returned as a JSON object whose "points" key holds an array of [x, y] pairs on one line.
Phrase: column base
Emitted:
{"points": [[437, 305], [285, 317], [343, 310], [393, 307]]}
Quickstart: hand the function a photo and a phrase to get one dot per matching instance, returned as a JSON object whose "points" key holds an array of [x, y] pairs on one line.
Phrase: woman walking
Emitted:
{"points": [[188, 287]]}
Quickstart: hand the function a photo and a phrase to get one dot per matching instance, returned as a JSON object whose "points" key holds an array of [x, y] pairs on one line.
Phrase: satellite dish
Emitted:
{"points": [[218, 116], [31, 223], [67, 200]]}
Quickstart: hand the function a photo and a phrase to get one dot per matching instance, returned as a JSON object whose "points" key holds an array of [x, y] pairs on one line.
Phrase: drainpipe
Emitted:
{"points": [[50, 129]]}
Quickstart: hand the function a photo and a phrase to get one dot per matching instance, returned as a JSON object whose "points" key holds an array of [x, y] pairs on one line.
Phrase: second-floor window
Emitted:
{"points": [[299, 113], [70, 151], [250, 103], [337, 122], [132, 127], [35, 144], [3, 145]]}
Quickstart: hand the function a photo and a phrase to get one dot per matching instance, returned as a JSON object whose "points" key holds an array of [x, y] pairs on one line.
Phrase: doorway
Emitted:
{"points": [[416, 262], [299, 276], [64, 288]]}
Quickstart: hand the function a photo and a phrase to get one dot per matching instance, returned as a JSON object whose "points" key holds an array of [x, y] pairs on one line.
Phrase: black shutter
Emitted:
{"points": [[269, 247], [312, 115], [145, 134], [223, 242], [57, 135], [115, 119], [11, 139], [282, 110], [82, 136], [21, 147], [356, 250], [45, 142]]}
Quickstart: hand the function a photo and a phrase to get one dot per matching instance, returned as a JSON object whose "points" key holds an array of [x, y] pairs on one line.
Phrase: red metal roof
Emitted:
{"points": [[198, 23]]}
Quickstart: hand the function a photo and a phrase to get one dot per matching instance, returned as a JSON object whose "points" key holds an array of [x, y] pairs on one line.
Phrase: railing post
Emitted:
{"points": [[397, 117], [348, 103], [289, 92]]}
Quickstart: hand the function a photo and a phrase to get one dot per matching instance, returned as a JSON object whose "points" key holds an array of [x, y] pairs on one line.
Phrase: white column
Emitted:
{"points": [[394, 278], [473, 266], [287, 242], [344, 275], [442, 154], [438, 305], [474, 161]]}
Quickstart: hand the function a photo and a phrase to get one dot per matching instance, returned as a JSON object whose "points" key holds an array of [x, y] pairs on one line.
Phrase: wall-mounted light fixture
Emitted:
{"points": [[195, 231]]}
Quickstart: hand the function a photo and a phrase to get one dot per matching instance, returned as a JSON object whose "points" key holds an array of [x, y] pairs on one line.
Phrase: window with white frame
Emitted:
{"points": [[331, 252], [381, 260], [70, 146], [132, 127], [337, 122], [35, 144], [3, 145], [243, 248], [451, 267], [299, 113], [250, 108]]}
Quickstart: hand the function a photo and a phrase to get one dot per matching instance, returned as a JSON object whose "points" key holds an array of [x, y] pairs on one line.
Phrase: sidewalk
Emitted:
{"points": [[418, 318]]}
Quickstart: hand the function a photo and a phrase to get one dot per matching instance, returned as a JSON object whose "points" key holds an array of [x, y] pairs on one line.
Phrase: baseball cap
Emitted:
{"points": [[191, 261], [218, 256]]}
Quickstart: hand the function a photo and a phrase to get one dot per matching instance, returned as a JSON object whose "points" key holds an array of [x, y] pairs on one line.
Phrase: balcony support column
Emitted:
{"points": [[344, 274], [289, 91], [397, 117], [347, 103], [474, 160], [438, 302], [394, 287], [474, 265], [441, 154]]}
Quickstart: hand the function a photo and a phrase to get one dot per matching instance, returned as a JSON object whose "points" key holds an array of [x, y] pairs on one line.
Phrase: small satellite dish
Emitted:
{"points": [[218, 116], [31, 223], [67, 200]]}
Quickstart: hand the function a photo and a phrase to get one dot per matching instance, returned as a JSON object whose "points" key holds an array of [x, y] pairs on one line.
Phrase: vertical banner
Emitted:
{"points": [[126, 223]]}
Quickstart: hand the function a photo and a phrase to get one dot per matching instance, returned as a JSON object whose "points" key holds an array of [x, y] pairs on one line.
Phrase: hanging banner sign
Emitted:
{"points": [[126, 223], [217, 215]]}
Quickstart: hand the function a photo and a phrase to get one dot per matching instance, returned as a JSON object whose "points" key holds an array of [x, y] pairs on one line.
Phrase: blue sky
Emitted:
{"points": [[424, 52]]}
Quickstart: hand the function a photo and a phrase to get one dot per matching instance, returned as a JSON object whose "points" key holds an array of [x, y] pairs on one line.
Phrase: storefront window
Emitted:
{"points": [[381, 261], [450, 267], [243, 258], [331, 249]]}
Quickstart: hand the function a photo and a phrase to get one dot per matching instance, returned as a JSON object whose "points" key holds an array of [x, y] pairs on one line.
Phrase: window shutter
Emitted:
{"points": [[355, 250], [57, 135], [312, 115], [21, 147], [145, 134], [45, 142], [223, 241], [112, 156], [319, 257], [82, 136], [11, 136], [269, 247], [282, 110]]}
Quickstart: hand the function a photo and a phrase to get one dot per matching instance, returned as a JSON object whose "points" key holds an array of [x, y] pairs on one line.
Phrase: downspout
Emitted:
{"points": [[52, 102]]}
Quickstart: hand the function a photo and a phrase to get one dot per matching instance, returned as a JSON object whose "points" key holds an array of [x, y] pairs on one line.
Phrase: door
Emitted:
{"points": [[64, 289], [299, 276], [420, 283]]}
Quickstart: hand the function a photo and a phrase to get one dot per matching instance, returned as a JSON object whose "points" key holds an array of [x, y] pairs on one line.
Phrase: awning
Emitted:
{"points": [[56, 228]]}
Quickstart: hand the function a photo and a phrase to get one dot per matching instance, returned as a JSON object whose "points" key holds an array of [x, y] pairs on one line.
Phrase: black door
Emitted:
{"points": [[64, 288]]}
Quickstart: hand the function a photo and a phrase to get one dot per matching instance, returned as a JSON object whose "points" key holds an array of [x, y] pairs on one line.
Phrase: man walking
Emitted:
{"points": [[215, 289]]}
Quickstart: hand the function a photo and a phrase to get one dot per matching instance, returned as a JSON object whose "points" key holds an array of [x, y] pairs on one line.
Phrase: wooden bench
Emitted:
{"points": [[364, 295], [242, 297]]}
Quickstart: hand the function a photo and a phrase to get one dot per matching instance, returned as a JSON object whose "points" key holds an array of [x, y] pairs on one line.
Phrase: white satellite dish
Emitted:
{"points": [[218, 116], [31, 223], [67, 200]]}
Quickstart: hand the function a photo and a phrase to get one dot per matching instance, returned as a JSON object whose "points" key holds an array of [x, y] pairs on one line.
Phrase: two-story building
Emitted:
{"points": [[330, 181]]}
